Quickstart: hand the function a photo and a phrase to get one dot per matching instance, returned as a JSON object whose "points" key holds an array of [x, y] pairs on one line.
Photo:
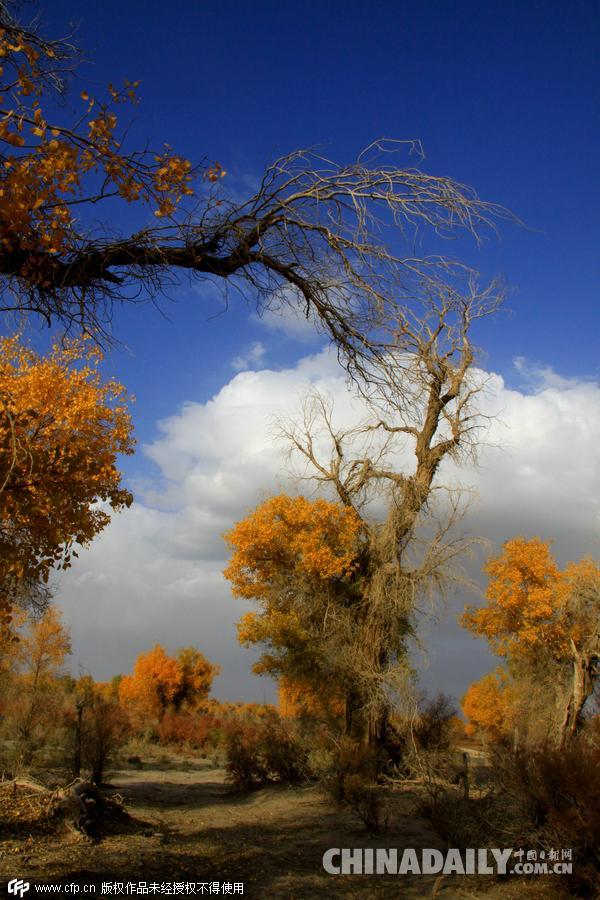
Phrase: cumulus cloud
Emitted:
{"points": [[155, 573], [250, 358]]}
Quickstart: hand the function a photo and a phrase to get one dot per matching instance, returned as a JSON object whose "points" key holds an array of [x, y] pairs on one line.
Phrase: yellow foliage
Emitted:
{"points": [[61, 430], [294, 557], [155, 682], [487, 705], [160, 681], [300, 698], [49, 168], [304, 539], [530, 602]]}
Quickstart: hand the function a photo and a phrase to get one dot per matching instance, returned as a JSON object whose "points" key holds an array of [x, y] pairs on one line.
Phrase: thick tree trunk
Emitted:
{"points": [[580, 689], [357, 725]]}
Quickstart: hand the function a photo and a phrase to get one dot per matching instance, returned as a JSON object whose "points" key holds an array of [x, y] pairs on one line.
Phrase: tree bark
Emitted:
{"points": [[580, 689]]}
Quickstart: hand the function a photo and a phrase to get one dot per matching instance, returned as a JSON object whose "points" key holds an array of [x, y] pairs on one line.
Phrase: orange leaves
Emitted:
{"points": [[171, 182], [45, 646], [531, 602], [279, 629], [295, 538], [197, 674], [298, 558], [61, 430], [299, 698], [58, 165], [155, 681], [487, 705], [38, 658], [215, 172], [525, 594], [160, 682]]}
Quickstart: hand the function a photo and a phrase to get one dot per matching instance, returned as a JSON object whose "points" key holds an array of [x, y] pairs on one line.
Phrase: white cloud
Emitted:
{"points": [[155, 573], [536, 377], [251, 358], [285, 316]]}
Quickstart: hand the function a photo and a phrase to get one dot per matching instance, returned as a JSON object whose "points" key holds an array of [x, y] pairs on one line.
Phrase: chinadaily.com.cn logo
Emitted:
{"points": [[18, 887], [482, 861]]}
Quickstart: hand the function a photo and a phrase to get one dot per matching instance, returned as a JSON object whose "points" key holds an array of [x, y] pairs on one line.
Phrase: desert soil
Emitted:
{"points": [[188, 826]]}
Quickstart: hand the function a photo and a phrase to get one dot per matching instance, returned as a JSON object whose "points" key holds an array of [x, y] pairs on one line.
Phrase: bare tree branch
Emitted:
{"points": [[324, 231]]}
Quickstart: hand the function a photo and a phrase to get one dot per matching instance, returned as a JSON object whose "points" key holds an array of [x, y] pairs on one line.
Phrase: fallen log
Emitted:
{"points": [[27, 806]]}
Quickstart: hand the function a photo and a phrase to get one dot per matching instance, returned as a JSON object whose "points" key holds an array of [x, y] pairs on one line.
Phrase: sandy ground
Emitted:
{"points": [[188, 826]]}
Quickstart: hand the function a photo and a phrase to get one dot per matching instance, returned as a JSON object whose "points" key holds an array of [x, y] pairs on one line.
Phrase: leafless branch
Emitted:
{"points": [[340, 238]]}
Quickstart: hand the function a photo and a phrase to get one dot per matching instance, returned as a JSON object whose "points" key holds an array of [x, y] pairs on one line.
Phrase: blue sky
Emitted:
{"points": [[504, 96]]}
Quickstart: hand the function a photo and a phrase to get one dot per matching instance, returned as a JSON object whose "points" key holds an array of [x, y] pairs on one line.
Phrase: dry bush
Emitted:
{"points": [[244, 762], [11, 760], [368, 801], [546, 798], [444, 777], [35, 744], [145, 754], [193, 730], [261, 750], [349, 773], [105, 733], [433, 728], [565, 789]]}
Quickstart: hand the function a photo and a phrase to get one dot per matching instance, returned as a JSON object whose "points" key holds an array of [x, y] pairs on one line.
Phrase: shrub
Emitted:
{"points": [[542, 799], [349, 774], [564, 786], [260, 750], [186, 729], [105, 731], [435, 724], [244, 762]]}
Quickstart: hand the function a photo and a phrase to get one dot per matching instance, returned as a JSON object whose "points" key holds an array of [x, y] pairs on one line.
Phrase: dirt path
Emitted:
{"points": [[189, 827]]}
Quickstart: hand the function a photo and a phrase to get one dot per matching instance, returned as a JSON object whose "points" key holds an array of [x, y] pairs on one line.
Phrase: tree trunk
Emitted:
{"points": [[579, 690], [356, 725]]}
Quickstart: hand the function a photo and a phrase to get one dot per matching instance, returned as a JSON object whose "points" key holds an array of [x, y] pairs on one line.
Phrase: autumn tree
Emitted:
{"points": [[487, 706], [285, 552], [160, 682], [197, 675], [340, 596], [154, 684], [299, 699], [313, 235], [42, 651], [96, 725], [62, 428], [545, 624]]}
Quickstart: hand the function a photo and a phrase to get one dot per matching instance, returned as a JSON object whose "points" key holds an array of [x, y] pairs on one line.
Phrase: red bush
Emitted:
{"points": [[191, 729]]}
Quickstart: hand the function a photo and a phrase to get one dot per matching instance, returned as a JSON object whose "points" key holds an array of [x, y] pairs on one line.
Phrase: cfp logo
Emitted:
{"points": [[18, 886]]}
